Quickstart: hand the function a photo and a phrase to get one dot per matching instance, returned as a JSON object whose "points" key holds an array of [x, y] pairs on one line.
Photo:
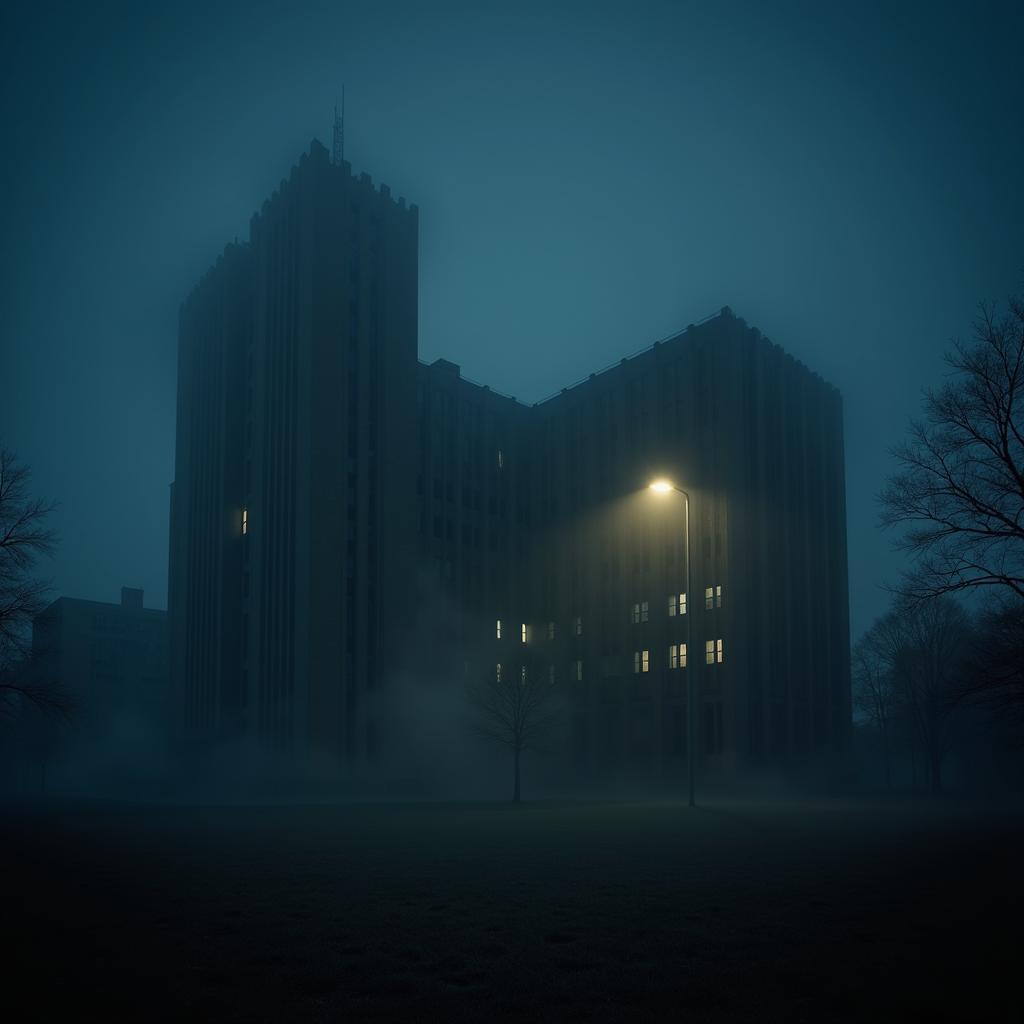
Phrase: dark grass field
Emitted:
{"points": [[629, 911]]}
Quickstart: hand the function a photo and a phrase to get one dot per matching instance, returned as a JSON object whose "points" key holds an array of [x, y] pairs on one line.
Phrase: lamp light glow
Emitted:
{"points": [[661, 485]]}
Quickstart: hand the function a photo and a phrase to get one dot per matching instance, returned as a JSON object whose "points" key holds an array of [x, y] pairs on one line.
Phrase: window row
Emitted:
{"points": [[677, 603], [713, 655], [526, 630], [640, 613], [576, 670]]}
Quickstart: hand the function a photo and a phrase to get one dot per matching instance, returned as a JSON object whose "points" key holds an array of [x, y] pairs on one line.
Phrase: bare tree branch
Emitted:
{"points": [[513, 707], [911, 662], [959, 489], [24, 539]]}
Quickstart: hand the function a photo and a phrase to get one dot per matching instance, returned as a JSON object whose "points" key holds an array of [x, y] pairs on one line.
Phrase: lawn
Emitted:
{"points": [[587, 911]]}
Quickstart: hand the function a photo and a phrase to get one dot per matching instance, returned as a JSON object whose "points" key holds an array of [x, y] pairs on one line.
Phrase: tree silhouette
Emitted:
{"points": [[960, 486], [995, 680], [875, 690], [930, 672], [513, 708], [24, 538]]}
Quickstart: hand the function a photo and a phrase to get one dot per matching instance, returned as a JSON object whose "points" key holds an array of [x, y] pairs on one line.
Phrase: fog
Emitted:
{"points": [[590, 178]]}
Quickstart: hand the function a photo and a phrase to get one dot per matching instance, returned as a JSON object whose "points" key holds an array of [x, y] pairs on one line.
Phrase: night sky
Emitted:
{"points": [[590, 178]]}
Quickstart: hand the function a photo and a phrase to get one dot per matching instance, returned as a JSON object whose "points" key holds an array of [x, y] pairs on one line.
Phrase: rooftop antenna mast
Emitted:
{"points": [[338, 150]]}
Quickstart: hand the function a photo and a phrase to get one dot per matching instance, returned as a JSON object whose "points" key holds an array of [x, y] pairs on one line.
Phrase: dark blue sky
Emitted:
{"points": [[590, 178]]}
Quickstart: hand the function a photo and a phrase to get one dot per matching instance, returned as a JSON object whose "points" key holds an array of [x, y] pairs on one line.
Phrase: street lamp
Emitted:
{"points": [[663, 486]]}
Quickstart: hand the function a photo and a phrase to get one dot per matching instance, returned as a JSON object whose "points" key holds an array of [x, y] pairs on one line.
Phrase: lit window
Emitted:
{"points": [[245, 521], [673, 605], [718, 596], [635, 615], [718, 651], [579, 669], [709, 652], [643, 611], [645, 661], [677, 656], [497, 629], [577, 625], [551, 674], [497, 674], [709, 598], [682, 604], [524, 632], [551, 631]]}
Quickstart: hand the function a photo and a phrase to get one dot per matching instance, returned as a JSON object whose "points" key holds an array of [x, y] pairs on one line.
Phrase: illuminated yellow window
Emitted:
{"points": [[709, 652], [245, 521], [524, 632], [645, 661], [579, 669], [718, 651], [682, 604], [677, 656], [497, 629]]}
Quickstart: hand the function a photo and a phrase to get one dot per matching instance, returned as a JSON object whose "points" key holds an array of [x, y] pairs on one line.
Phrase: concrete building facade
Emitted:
{"points": [[297, 377], [343, 515]]}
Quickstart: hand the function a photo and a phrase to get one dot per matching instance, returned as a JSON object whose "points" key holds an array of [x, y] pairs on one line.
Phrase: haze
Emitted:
{"points": [[589, 180]]}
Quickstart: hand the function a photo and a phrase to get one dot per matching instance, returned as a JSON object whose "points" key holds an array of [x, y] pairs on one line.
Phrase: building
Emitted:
{"points": [[110, 660], [539, 519], [296, 381], [343, 515]]}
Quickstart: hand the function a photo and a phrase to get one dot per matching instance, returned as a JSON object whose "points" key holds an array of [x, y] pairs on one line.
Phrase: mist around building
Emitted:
{"points": [[463, 707], [389, 581]]}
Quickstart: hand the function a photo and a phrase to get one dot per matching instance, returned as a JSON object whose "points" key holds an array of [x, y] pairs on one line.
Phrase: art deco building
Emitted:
{"points": [[540, 524], [344, 516], [293, 522]]}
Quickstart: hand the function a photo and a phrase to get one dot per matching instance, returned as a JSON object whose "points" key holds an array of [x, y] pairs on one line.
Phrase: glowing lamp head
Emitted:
{"points": [[661, 486]]}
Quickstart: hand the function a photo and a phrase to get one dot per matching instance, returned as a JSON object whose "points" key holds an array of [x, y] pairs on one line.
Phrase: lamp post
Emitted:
{"points": [[665, 487]]}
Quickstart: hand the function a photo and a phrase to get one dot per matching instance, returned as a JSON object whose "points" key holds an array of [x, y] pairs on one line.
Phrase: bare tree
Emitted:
{"points": [[875, 690], [960, 486], [513, 708], [939, 632], [995, 680], [923, 648], [24, 538]]}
